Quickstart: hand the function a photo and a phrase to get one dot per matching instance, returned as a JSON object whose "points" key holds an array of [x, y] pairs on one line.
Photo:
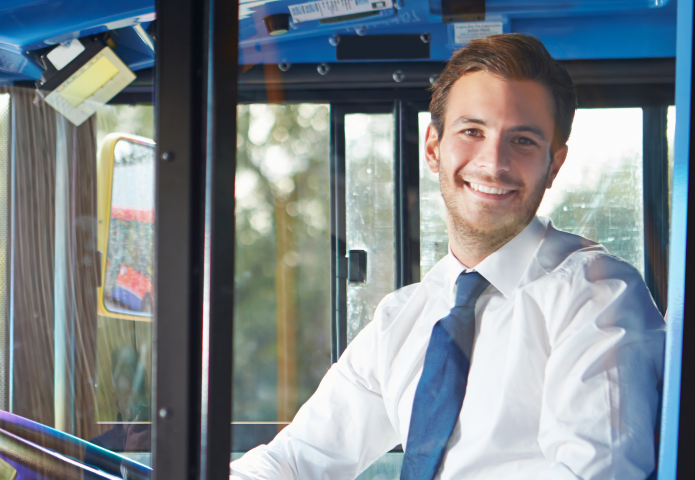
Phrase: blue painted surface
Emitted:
{"points": [[639, 33], [47, 22], [18, 66], [668, 454], [579, 29], [33, 24], [650, 36]]}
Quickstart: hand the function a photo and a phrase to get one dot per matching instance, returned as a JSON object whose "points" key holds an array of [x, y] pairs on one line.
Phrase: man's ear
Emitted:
{"points": [[432, 148], [557, 161]]}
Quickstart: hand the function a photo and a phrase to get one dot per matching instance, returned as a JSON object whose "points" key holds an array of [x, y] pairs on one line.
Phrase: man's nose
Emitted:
{"points": [[494, 156]]}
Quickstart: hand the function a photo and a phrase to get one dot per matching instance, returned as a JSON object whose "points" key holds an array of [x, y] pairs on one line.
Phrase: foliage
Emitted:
{"points": [[282, 183]]}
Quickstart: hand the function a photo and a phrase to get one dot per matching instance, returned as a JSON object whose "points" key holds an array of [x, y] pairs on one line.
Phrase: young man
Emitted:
{"points": [[527, 352]]}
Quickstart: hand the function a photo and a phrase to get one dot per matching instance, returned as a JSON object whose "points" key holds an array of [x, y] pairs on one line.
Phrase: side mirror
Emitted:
{"points": [[125, 232]]}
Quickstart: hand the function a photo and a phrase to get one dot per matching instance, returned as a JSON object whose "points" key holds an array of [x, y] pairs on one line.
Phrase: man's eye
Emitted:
{"points": [[473, 132], [524, 141]]}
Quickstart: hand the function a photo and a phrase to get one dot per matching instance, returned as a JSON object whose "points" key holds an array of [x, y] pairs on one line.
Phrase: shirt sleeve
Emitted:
{"points": [[602, 378], [341, 430]]}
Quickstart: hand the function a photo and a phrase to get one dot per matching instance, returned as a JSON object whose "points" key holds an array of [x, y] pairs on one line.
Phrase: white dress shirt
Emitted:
{"points": [[562, 384]]}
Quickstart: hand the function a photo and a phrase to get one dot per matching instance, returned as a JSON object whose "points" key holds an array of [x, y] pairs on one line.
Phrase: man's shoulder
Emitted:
{"points": [[566, 254], [398, 298], [560, 249]]}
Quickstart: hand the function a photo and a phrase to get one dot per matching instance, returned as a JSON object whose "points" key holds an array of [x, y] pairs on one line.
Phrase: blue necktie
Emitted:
{"points": [[440, 391]]}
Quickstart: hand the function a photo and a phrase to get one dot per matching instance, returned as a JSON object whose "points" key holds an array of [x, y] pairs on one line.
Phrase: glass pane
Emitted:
{"points": [[77, 375], [434, 240], [670, 136], [282, 278], [5, 146], [597, 194], [124, 335], [369, 207]]}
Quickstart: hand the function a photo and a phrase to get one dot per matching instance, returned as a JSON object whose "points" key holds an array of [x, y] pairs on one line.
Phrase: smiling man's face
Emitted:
{"points": [[494, 159]]}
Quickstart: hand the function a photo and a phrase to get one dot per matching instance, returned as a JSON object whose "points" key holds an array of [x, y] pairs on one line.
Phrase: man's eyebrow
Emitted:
{"points": [[518, 129], [461, 120]]}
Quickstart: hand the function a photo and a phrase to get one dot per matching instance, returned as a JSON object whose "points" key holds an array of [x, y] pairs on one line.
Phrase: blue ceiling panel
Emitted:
{"points": [[571, 29], [33, 24], [580, 29]]}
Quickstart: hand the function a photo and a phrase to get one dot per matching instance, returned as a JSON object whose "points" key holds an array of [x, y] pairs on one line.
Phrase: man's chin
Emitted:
{"points": [[495, 228]]}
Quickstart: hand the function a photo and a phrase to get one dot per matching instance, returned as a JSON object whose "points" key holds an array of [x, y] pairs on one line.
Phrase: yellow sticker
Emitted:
{"points": [[89, 82], [7, 472]]}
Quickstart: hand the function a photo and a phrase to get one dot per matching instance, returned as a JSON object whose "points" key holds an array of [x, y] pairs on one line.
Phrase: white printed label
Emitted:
{"points": [[465, 32], [66, 53], [335, 8]]}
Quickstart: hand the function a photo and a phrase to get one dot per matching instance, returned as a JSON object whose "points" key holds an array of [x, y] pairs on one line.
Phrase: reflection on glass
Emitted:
{"points": [[369, 212], [597, 194], [5, 144], [128, 282], [123, 385], [670, 137], [282, 277]]}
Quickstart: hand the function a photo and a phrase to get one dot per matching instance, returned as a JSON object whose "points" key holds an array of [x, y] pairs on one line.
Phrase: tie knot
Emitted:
{"points": [[469, 286]]}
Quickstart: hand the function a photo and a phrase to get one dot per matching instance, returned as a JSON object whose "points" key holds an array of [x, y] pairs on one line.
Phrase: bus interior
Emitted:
{"points": [[176, 278]]}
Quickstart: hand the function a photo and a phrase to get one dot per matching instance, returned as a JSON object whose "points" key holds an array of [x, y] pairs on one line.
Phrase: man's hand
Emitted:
{"points": [[138, 437]]}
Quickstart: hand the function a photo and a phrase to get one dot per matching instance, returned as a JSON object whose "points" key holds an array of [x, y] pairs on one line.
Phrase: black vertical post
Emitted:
{"points": [[656, 208], [218, 307], [180, 117], [406, 194], [338, 235]]}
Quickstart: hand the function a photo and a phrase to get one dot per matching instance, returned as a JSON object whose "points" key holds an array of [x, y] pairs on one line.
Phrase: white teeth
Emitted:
{"points": [[484, 189]]}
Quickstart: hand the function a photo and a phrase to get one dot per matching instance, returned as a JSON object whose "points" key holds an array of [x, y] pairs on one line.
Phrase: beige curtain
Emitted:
{"points": [[42, 138]]}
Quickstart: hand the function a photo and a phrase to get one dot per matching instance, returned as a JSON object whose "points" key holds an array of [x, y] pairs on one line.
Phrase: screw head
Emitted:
{"points": [[334, 40], [425, 37], [434, 78], [168, 156], [398, 4], [398, 76], [165, 413], [323, 68], [284, 65], [361, 30]]}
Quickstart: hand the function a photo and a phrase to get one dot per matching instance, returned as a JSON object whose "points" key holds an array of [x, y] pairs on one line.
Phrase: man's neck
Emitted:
{"points": [[471, 248]]}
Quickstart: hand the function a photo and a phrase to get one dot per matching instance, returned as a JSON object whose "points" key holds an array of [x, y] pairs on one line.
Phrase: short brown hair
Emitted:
{"points": [[514, 57]]}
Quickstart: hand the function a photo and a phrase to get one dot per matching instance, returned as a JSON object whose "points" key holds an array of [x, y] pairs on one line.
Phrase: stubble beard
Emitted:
{"points": [[479, 241]]}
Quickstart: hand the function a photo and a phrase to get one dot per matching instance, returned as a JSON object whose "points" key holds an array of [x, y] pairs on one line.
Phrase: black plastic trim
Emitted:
{"points": [[656, 205]]}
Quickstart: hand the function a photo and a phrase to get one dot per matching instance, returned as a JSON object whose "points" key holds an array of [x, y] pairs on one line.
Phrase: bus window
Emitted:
{"points": [[434, 242], [369, 212], [5, 182], [670, 135], [598, 192], [125, 198], [282, 269]]}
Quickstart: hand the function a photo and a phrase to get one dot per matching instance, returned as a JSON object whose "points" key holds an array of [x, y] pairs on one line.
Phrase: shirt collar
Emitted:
{"points": [[504, 267]]}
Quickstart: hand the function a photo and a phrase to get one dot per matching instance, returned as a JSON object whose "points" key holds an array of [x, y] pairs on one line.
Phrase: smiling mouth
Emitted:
{"points": [[490, 190]]}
